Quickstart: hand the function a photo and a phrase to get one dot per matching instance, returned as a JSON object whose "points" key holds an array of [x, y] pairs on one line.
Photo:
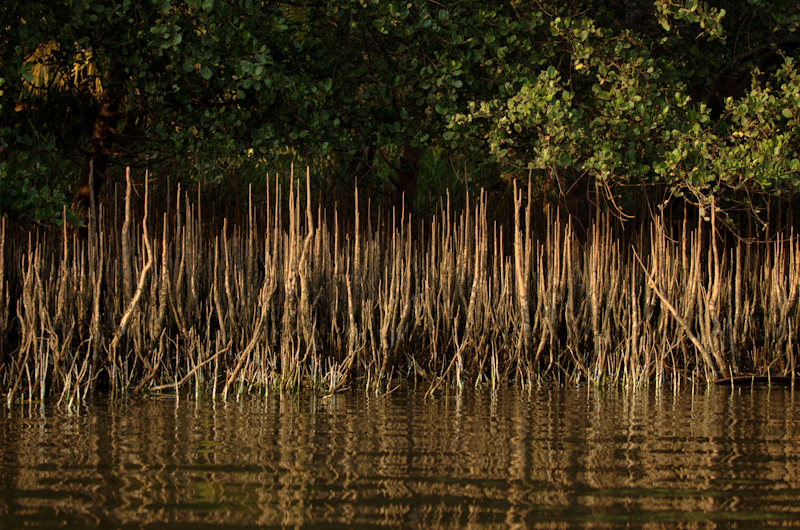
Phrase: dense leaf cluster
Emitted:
{"points": [[679, 96]]}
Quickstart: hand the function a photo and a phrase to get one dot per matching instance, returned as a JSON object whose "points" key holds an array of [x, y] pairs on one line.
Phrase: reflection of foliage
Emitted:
{"points": [[695, 98]]}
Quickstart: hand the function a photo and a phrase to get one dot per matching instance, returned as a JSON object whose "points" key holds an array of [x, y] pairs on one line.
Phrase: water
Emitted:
{"points": [[553, 458]]}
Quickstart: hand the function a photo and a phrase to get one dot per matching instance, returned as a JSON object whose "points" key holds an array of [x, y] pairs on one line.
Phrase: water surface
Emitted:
{"points": [[555, 457]]}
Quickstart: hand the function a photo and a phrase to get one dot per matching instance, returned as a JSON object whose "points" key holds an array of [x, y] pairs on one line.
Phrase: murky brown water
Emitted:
{"points": [[554, 458]]}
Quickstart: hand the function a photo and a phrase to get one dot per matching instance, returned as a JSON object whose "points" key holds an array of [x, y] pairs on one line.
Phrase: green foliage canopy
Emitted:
{"points": [[696, 98]]}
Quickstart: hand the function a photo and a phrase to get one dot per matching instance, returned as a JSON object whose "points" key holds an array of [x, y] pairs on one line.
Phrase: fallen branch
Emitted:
{"points": [[194, 370], [678, 318]]}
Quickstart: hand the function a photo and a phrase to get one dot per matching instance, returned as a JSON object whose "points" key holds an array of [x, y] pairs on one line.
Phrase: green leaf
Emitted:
{"points": [[205, 73], [786, 113]]}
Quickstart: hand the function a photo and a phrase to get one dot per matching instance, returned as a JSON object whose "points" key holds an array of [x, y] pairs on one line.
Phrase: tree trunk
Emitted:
{"points": [[408, 172], [103, 134]]}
